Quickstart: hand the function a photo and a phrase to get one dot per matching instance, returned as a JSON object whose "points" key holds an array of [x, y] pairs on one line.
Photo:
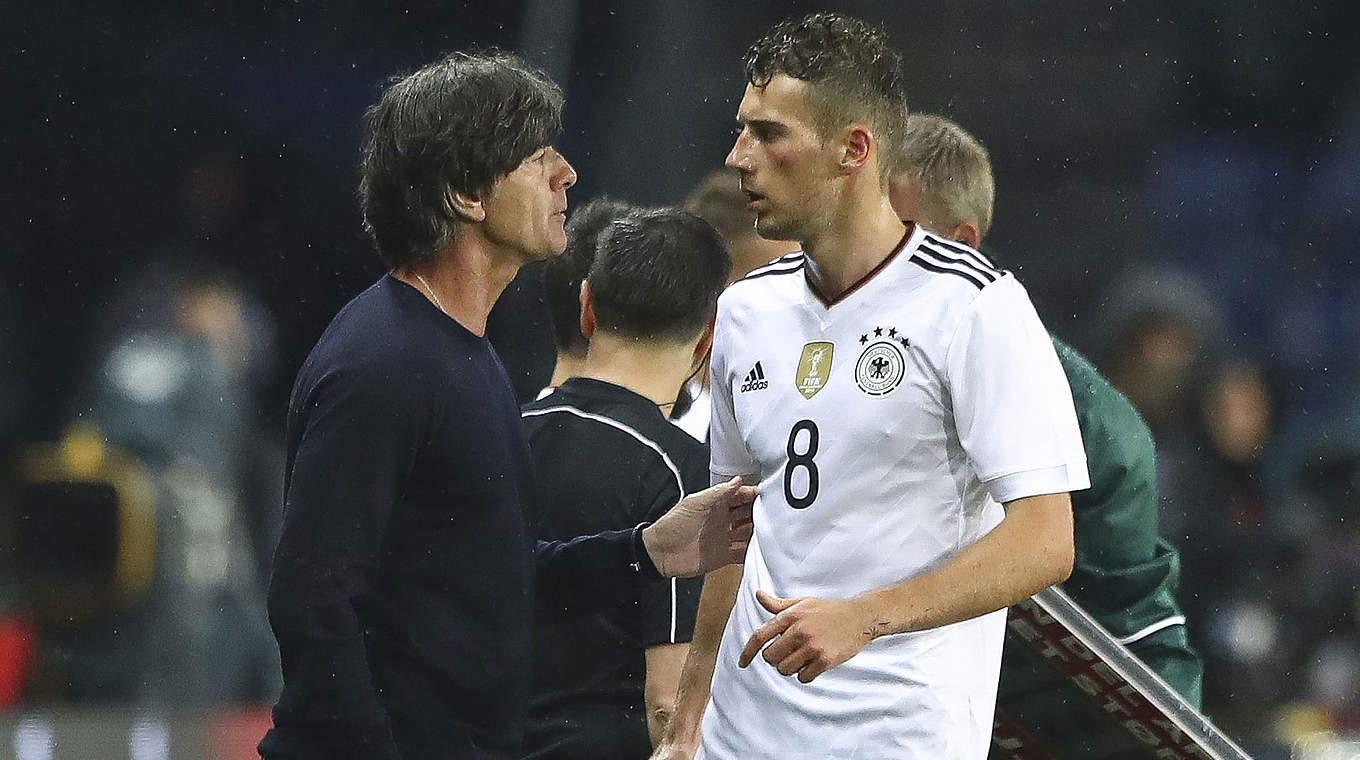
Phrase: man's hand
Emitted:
{"points": [[668, 751], [811, 636], [704, 532]]}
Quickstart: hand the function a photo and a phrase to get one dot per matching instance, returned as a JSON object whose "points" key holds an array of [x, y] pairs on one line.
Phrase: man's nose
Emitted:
{"points": [[566, 174], [739, 156]]}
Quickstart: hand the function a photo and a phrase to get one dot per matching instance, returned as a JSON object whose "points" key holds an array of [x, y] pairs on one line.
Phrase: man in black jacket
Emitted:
{"points": [[404, 579], [607, 458]]}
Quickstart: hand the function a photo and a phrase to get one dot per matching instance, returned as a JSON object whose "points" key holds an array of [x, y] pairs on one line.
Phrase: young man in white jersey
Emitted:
{"points": [[909, 392]]}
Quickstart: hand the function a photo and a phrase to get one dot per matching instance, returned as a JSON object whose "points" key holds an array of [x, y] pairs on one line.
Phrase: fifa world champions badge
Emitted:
{"points": [[882, 364], [814, 368]]}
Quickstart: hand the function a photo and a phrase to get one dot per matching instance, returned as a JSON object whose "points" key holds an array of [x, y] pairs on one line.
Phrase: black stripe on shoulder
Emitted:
{"points": [[944, 258], [930, 265], [786, 268], [964, 251]]}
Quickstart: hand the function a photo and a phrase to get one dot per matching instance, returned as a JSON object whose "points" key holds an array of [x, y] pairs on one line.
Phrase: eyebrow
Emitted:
{"points": [[762, 125]]}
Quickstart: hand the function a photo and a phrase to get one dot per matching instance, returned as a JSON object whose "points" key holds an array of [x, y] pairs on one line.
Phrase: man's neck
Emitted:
{"points": [[653, 370], [568, 365], [862, 232], [465, 280]]}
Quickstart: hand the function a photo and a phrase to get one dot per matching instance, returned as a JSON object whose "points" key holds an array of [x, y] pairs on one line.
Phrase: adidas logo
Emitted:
{"points": [[755, 380]]}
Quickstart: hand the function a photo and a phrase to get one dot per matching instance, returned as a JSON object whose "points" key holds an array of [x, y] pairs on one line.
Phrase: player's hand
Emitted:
{"points": [[810, 636], [669, 751], [704, 532]]}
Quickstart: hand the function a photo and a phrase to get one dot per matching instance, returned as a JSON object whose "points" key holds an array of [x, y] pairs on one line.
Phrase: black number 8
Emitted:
{"points": [[804, 460]]}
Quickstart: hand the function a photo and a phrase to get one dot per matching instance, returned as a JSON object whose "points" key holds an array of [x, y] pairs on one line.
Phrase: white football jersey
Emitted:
{"points": [[885, 429]]}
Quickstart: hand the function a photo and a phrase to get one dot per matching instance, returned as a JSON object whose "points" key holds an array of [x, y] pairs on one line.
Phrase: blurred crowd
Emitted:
{"points": [[142, 475]]}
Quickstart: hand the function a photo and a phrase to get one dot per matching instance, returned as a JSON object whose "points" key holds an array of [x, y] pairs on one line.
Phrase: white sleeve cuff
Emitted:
{"points": [[1018, 485]]}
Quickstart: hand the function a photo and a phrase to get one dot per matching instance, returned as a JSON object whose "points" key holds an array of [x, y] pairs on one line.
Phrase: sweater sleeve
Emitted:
{"points": [[355, 452], [589, 573]]}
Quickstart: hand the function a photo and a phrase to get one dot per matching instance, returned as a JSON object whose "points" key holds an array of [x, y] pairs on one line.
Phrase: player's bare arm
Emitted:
{"points": [[664, 663], [1029, 550], [681, 740]]}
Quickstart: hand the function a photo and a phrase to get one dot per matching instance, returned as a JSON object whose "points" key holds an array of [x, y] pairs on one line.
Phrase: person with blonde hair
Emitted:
{"points": [[1125, 575]]}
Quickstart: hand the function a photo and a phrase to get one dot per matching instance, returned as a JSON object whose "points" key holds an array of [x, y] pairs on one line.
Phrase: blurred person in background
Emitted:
{"points": [[1312, 471], [562, 277], [1270, 552], [1247, 586], [719, 201], [177, 356], [1160, 332], [1125, 574], [403, 584], [607, 458]]}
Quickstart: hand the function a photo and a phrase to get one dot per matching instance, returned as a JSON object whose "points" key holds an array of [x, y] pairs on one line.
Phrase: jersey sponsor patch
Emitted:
{"points": [[882, 364], [814, 368], [755, 380]]}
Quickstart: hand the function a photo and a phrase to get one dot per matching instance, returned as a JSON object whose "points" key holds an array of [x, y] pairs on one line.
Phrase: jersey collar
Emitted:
{"points": [[861, 282]]}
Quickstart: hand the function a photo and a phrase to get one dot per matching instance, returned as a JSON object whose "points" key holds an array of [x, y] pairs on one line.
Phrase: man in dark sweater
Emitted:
{"points": [[404, 580], [604, 684]]}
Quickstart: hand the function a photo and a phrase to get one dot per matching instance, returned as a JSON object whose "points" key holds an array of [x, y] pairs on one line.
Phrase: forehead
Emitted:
{"points": [[783, 100]]}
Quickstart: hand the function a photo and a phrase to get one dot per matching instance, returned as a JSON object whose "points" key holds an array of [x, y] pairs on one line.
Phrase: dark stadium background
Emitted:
{"points": [[1197, 164]]}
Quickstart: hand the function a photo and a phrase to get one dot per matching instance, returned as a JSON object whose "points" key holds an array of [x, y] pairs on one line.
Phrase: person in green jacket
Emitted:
{"points": [[1125, 574]]}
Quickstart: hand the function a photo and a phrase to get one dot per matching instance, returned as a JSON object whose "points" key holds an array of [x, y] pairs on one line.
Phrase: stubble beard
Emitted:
{"points": [[770, 228]]}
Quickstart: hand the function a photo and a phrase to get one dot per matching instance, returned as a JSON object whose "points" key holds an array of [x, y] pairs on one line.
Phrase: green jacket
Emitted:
{"points": [[1125, 574]]}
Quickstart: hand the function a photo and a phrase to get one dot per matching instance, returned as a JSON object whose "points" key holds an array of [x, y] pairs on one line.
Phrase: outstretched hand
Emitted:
{"points": [[704, 532], [810, 636], [668, 751]]}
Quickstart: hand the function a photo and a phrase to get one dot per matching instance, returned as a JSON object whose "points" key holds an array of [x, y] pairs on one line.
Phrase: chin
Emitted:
{"points": [[770, 229], [551, 251]]}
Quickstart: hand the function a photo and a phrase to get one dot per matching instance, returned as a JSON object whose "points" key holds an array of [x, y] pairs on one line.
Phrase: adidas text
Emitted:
{"points": [[755, 380]]}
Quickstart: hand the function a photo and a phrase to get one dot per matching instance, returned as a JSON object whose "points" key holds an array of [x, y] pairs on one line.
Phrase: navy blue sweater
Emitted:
{"points": [[403, 583]]}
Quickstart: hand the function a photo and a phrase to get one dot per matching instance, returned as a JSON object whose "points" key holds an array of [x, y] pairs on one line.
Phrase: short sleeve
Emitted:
{"points": [[669, 608], [729, 457], [1011, 401]]}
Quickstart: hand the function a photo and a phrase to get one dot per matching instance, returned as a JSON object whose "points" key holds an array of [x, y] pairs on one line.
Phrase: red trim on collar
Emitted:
{"points": [[861, 282]]}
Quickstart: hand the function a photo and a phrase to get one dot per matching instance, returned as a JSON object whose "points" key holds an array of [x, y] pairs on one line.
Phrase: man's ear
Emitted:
{"points": [[587, 310], [468, 207], [966, 232], [856, 144]]}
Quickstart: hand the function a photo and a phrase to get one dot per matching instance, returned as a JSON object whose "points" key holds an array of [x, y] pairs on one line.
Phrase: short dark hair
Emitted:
{"points": [[851, 72], [657, 275], [562, 274], [456, 125]]}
